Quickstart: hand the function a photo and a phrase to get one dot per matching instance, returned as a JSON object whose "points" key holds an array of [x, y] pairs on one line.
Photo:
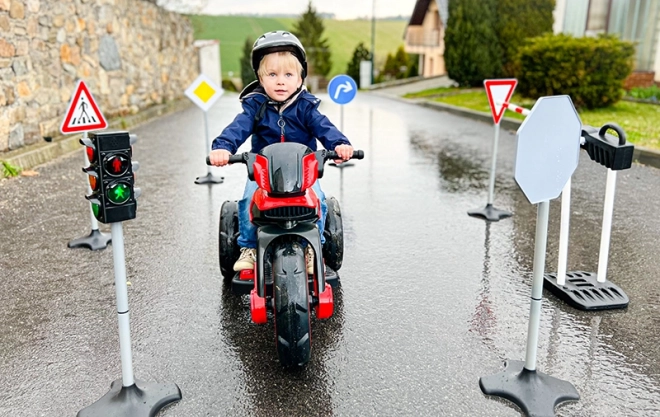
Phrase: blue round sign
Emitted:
{"points": [[342, 89]]}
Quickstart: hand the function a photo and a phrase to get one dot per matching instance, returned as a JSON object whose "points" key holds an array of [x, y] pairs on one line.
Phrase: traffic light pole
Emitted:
{"points": [[96, 239], [128, 397], [209, 178]]}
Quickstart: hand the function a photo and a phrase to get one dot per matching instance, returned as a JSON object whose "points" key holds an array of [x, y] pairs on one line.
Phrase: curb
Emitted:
{"points": [[31, 156], [641, 155]]}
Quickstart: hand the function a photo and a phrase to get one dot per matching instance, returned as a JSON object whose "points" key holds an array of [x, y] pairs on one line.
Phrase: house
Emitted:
{"points": [[637, 21], [633, 20], [425, 35]]}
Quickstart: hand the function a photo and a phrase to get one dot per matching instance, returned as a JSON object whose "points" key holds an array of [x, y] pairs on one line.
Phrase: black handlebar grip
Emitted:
{"points": [[238, 158], [358, 155], [233, 159]]}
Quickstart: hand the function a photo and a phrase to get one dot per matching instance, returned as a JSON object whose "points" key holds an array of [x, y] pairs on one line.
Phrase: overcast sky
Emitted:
{"points": [[343, 9]]}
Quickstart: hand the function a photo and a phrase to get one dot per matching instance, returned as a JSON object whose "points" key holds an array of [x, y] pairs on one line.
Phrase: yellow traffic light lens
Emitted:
{"points": [[93, 182]]}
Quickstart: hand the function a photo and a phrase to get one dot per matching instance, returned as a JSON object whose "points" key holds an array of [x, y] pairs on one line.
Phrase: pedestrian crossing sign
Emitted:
{"points": [[82, 115]]}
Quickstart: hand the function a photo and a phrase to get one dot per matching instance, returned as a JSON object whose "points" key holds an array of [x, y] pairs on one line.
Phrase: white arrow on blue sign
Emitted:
{"points": [[342, 89]]}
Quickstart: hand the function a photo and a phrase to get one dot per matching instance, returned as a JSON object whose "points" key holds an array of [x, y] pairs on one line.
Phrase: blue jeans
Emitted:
{"points": [[247, 237]]}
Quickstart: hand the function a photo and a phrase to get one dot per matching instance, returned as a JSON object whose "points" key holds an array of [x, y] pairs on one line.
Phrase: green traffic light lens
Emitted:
{"points": [[119, 192], [95, 210], [116, 165]]}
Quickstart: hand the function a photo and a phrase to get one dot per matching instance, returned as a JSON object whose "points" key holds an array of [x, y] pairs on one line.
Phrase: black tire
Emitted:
{"points": [[228, 250], [291, 301], [333, 248]]}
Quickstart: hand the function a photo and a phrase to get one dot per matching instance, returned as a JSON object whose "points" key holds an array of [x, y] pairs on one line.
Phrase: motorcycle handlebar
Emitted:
{"points": [[242, 157], [333, 155]]}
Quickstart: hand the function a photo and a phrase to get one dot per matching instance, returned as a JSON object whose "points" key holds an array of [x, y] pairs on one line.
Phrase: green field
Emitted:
{"points": [[343, 36]]}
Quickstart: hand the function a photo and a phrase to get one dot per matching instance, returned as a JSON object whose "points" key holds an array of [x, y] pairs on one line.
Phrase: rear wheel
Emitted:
{"points": [[227, 246], [333, 248], [291, 302]]}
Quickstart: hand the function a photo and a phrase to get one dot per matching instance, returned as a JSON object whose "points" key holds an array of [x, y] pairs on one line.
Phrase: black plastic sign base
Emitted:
{"points": [[536, 393], [94, 241], [142, 399], [209, 179], [583, 291], [490, 213]]}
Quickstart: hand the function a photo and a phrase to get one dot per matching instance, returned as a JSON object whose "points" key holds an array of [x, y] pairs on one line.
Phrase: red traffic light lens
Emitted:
{"points": [[116, 165], [91, 154]]}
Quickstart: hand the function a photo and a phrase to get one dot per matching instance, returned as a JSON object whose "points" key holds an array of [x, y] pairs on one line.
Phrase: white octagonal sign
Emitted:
{"points": [[547, 148]]}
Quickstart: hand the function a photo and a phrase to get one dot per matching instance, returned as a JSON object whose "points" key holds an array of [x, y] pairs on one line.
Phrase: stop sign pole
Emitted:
{"points": [[547, 153]]}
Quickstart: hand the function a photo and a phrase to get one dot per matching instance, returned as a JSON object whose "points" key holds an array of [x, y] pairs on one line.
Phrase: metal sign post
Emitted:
{"points": [[547, 153], [342, 89], [498, 91], [204, 93]]}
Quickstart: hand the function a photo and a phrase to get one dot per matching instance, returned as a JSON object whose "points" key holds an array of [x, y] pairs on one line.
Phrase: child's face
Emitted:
{"points": [[280, 79]]}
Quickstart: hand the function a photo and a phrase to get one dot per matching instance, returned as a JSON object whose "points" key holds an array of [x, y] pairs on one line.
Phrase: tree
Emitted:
{"points": [[472, 50], [397, 66], [361, 53], [518, 20], [247, 73], [309, 29]]}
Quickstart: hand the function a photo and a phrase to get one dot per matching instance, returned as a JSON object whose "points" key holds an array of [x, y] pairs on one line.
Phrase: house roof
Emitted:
{"points": [[417, 18], [421, 6]]}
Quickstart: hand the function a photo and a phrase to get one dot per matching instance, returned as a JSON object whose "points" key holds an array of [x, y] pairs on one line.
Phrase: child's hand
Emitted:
{"points": [[345, 152], [219, 157]]}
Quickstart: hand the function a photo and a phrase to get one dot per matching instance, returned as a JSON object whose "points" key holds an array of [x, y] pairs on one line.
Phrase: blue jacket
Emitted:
{"points": [[302, 123]]}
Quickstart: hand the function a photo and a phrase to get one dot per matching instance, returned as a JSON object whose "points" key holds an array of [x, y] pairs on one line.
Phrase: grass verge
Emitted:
{"points": [[640, 121]]}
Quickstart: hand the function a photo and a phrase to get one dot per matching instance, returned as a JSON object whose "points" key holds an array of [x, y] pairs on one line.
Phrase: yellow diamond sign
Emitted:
{"points": [[204, 92]]}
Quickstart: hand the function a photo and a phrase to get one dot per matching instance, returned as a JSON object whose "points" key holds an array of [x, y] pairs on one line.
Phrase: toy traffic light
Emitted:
{"points": [[111, 178]]}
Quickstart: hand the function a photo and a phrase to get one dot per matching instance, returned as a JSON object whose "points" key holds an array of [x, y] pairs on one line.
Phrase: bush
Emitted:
{"points": [[360, 53], [472, 50], [518, 20], [645, 93], [397, 66], [590, 70], [228, 85]]}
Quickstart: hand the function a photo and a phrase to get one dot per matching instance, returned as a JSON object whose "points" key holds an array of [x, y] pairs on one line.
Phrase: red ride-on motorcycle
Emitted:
{"points": [[285, 209]]}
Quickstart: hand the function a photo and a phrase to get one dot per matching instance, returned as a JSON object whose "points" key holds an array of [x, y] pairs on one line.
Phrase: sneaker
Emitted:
{"points": [[309, 257], [246, 260]]}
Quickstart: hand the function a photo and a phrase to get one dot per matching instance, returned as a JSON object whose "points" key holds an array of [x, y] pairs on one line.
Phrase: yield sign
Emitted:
{"points": [[499, 92], [83, 114]]}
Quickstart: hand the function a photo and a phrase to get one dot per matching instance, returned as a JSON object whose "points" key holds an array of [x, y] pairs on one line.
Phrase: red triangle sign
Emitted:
{"points": [[83, 114], [499, 92]]}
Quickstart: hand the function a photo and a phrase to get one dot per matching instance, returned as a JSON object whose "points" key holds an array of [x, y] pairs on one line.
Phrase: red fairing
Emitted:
{"points": [[266, 202], [310, 170], [261, 172]]}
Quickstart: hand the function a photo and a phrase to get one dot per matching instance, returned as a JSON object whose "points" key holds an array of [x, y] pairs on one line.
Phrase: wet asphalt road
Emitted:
{"points": [[431, 299]]}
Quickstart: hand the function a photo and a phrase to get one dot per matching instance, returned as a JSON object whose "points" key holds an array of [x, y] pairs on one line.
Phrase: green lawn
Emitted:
{"points": [[343, 36], [640, 121]]}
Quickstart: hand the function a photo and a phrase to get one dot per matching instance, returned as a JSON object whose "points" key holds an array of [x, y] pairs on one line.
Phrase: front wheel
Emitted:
{"points": [[291, 302], [333, 248]]}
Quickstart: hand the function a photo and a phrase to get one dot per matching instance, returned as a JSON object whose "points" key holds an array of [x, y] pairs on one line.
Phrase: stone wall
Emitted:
{"points": [[130, 53]]}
